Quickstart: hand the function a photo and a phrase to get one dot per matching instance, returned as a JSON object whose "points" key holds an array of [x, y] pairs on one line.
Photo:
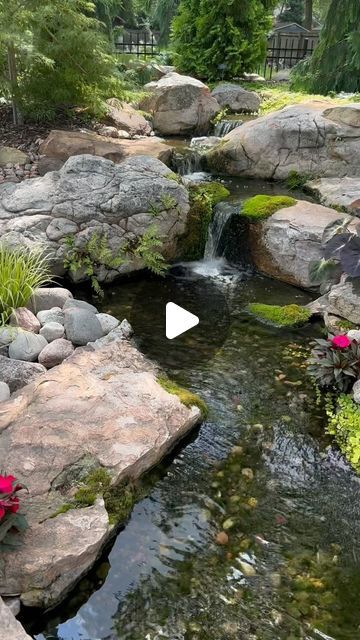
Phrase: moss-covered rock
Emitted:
{"points": [[261, 207], [291, 315], [344, 425], [185, 396], [203, 198]]}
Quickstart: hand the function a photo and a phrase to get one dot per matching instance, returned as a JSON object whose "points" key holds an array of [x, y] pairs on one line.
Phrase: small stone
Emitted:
{"points": [[25, 319], [82, 326], [8, 335], [247, 569], [228, 524], [126, 329], [248, 473], [123, 134], [109, 132], [51, 315], [237, 450], [108, 322], [222, 538], [275, 579], [4, 392], [79, 304], [356, 392], [17, 373], [354, 334], [52, 331], [48, 297], [27, 346], [55, 353]]}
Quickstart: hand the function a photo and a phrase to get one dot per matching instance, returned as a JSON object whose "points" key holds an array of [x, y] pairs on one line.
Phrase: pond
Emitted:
{"points": [[251, 530]]}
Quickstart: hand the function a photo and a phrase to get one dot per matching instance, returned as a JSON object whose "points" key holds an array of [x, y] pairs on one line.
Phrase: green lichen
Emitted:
{"points": [[203, 198], [344, 425], [296, 180], [261, 207], [185, 396], [291, 315], [173, 176]]}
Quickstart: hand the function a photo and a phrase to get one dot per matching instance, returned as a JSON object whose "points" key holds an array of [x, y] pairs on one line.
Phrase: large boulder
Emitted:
{"points": [[180, 105], [284, 245], [344, 301], [102, 407], [124, 117], [235, 98], [60, 145], [332, 192], [46, 298], [82, 326], [312, 139], [115, 202]]}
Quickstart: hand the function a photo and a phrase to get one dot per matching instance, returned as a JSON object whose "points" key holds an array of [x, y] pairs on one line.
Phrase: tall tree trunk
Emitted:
{"points": [[17, 116], [308, 14]]}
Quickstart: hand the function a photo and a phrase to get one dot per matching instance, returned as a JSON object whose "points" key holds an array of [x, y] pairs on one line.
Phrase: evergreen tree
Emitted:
{"points": [[335, 63], [54, 56], [221, 38], [293, 12]]}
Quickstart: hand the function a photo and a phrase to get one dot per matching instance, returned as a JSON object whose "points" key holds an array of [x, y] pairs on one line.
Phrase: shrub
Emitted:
{"points": [[203, 198], [12, 522], [21, 272], [147, 250], [262, 206], [344, 425], [291, 315], [335, 363]]}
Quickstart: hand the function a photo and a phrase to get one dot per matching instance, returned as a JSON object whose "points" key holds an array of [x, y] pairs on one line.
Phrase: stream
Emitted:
{"points": [[251, 529]]}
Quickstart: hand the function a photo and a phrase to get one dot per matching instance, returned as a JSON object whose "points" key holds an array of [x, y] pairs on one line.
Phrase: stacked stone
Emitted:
{"points": [[15, 165], [46, 333]]}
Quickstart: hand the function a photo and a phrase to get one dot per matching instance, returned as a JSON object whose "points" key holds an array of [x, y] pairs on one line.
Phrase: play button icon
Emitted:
{"points": [[178, 320]]}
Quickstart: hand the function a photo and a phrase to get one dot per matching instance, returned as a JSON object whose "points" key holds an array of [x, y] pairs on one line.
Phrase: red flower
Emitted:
{"points": [[341, 342], [14, 505], [2, 512], [6, 484]]}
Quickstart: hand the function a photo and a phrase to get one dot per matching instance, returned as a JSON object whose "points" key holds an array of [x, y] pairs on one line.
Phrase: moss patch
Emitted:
{"points": [[291, 315], [296, 180], [262, 207], [185, 396], [203, 198], [175, 177], [344, 425]]}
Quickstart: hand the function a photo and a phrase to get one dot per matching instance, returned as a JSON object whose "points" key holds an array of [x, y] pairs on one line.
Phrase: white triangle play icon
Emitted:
{"points": [[178, 320]]}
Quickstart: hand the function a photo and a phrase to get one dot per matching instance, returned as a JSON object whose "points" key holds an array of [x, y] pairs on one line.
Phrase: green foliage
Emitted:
{"points": [[344, 425], [90, 256], [332, 367], [62, 54], [296, 180], [96, 483], [185, 396], [203, 198], [335, 63], [215, 39], [147, 250], [291, 315], [262, 206], [293, 11], [21, 272]]}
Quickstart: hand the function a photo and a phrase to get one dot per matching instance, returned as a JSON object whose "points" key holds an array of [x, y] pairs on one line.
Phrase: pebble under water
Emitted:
{"points": [[252, 530]]}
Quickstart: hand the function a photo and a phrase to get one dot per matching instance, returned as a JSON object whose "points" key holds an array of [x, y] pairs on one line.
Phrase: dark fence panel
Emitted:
{"points": [[285, 51], [142, 44]]}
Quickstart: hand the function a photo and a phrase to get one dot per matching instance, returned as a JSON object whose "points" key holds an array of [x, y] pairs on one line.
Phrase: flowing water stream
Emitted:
{"points": [[251, 531]]}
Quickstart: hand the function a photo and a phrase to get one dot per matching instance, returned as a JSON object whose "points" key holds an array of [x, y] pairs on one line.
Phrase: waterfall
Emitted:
{"points": [[213, 247], [224, 127], [187, 161]]}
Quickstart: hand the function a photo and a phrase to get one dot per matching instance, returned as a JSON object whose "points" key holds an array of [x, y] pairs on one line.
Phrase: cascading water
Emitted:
{"points": [[224, 127], [213, 248], [187, 161]]}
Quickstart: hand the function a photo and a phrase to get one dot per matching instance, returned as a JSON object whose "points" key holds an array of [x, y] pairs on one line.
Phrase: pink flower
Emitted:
{"points": [[341, 342], [2, 512], [6, 484]]}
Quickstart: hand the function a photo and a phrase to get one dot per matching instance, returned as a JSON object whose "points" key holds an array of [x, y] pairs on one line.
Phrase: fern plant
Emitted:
{"points": [[95, 253], [148, 251], [21, 272]]}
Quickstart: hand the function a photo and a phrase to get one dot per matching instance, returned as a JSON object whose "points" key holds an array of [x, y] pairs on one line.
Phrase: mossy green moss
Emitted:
{"points": [[203, 198], [185, 396], [296, 180], [344, 425], [173, 176], [261, 207], [291, 315]]}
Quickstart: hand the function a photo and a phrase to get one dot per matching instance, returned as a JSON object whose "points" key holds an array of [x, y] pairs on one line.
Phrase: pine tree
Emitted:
{"points": [[335, 63], [293, 12], [62, 58], [221, 38]]}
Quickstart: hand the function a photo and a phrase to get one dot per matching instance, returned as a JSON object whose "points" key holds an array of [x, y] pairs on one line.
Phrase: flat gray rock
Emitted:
{"points": [[4, 392], [79, 304], [82, 326], [108, 322], [333, 192], [236, 98], [52, 331], [27, 346], [17, 373], [344, 301], [55, 353]]}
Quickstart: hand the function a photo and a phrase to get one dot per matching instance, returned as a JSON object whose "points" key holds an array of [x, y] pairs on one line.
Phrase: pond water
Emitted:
{"points": [[251, 530]]}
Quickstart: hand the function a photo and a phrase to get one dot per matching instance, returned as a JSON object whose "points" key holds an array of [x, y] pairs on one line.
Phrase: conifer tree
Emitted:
{"points": [[335, 63], [293, 12], [221, 38]]}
